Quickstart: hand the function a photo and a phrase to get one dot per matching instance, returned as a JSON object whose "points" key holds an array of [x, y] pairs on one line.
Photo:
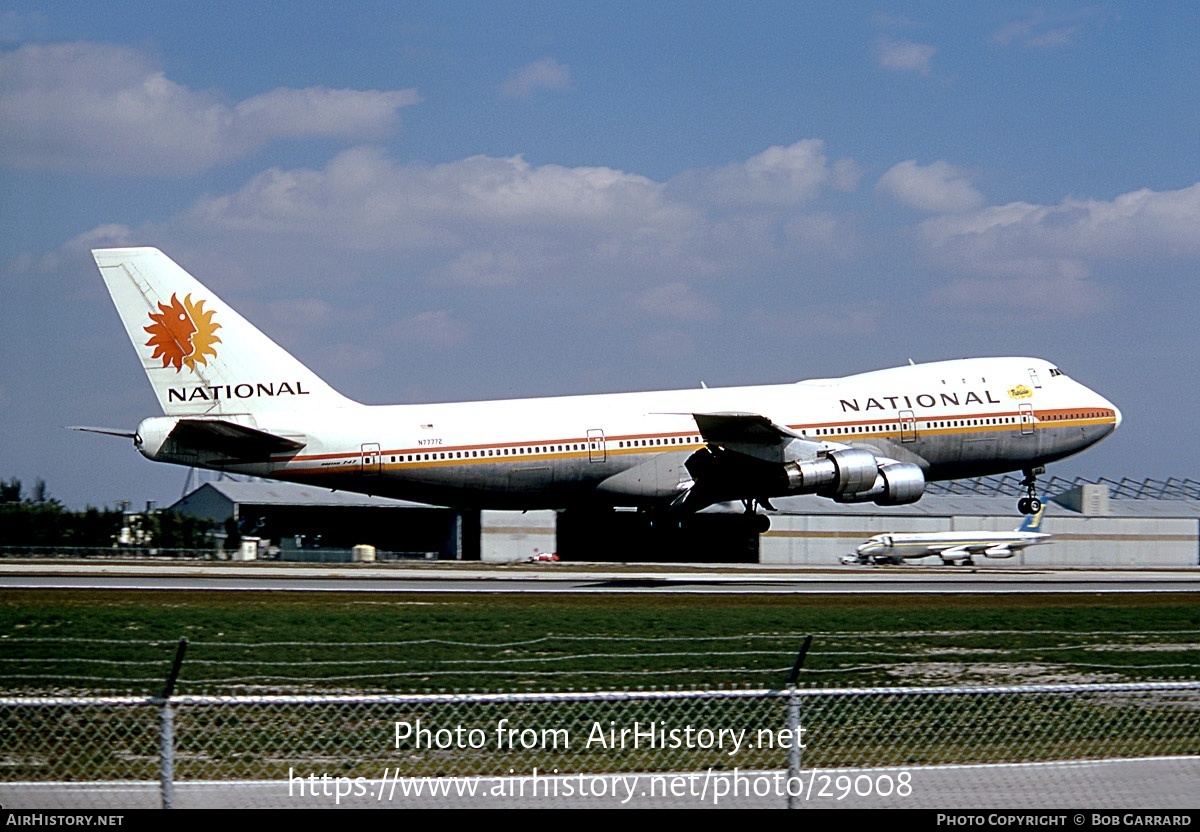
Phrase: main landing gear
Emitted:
{"points": [[759, 522], [1030, 504]]}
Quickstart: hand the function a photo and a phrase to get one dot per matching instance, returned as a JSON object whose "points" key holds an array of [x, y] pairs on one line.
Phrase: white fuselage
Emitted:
{"points": [[947, 545]]}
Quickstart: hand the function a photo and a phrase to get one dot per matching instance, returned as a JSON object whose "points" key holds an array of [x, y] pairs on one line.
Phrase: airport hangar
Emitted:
{"points": [[1149, 524]]}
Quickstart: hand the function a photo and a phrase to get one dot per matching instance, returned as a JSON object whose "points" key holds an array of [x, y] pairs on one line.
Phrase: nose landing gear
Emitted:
{"points": [[1030, 504]]}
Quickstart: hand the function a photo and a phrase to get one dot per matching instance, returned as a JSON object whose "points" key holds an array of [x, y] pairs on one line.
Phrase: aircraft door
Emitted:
{"points": [[597, 450], [371, 458], [1026, 415], [908, 426]]}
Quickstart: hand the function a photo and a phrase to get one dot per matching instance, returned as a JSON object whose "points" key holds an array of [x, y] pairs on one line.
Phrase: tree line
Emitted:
{"points": [[37, 519]]}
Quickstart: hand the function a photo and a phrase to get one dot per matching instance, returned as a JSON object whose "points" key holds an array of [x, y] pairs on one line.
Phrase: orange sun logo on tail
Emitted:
{"points": [[183, 333]]}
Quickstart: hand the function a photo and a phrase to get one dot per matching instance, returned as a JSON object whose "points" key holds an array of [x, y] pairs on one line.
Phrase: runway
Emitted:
{"points": [[582, 578]]}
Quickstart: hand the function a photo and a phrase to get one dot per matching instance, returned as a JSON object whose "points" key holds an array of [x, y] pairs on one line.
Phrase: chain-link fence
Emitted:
{"points": [[1125, 745]]}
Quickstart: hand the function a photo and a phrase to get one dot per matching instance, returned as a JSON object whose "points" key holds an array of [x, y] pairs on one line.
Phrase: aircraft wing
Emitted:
{"points": [[755, 436], [743, 455], [964, 549], [951, 552], [749, 458], [749, 428], [994, 547]]}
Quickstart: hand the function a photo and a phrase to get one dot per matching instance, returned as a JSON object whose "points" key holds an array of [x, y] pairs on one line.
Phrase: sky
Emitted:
{"points": [[455, 200]]}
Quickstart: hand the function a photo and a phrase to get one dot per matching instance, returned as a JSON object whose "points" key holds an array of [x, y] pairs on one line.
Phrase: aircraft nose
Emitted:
{"points": [[1105, 403]]}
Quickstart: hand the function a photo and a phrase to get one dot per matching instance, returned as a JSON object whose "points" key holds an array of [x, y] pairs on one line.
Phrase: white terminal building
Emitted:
{"points": [[1105, 523]]}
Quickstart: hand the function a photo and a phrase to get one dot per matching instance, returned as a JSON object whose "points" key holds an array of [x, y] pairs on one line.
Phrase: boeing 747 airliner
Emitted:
{"points": [[234, 400]]}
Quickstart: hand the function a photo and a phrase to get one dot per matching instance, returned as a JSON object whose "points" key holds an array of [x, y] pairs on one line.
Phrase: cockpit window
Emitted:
{"points": [[1054, 371]]}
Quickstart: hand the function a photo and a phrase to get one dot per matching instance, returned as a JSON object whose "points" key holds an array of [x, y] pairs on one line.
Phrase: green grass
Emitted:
{"points": [[55, 640]]}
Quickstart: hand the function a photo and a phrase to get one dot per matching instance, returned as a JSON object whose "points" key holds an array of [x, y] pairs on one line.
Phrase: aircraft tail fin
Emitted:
{"points": [[202, 357], [1032, 522]]}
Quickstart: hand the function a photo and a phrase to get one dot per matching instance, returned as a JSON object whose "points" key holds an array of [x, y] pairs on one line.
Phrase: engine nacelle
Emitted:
{"points": [[998, 552], [895, 484], [838, 472], [152, 435]]}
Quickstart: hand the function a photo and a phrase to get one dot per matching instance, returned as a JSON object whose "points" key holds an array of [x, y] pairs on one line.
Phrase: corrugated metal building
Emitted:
{"points": [[305, 517]]}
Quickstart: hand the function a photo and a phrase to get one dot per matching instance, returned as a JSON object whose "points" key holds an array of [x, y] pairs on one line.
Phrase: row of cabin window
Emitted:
{"points": [[488, 452], [951, 423], [670, 440], [536, 449]]}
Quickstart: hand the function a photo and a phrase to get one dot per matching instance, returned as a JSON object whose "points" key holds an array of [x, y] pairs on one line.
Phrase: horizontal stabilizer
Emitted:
{"points": [[231, 439], [125, 434]]}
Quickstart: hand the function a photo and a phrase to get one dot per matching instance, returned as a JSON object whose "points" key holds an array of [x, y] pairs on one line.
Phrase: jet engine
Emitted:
{"points": [[854, 475], [837, 472], [847, 475], [898, 483]]}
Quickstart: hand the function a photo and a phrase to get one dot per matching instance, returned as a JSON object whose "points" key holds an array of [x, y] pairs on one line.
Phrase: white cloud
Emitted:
{"points": [[904, 55], [480, 221], [487, 223], [938, 187], [486, 267], [1065, 240], [1040, 30], [545, 74], [777, 176], [106, 109], [366, 200], [504, 228]]}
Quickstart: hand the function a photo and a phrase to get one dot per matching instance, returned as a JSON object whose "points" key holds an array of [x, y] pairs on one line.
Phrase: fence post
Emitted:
{"points": [[166, 732], [795, 757], [166, 755]]}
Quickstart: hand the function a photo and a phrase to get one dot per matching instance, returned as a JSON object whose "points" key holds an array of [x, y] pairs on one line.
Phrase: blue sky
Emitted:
{"points": [[449, 201]]}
